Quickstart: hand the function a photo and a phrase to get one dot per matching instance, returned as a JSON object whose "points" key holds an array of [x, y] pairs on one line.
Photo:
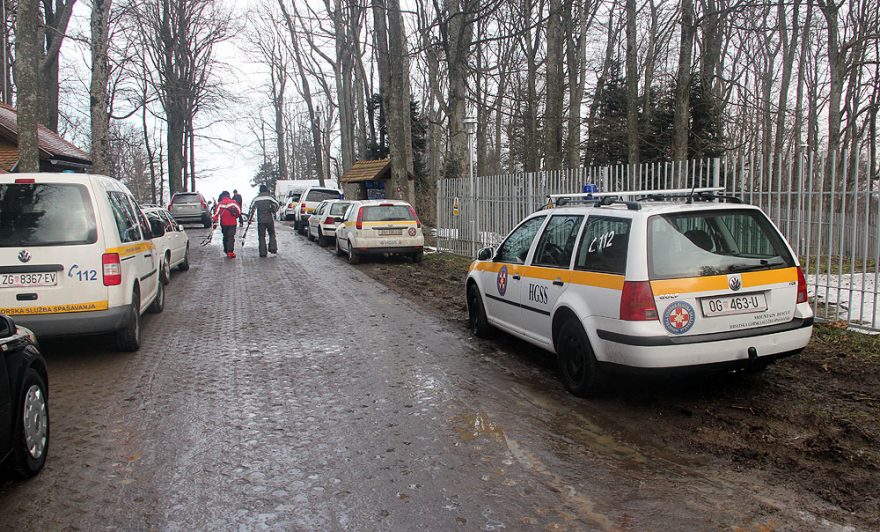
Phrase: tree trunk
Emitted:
{"points": [[600, 84], [789, 47], [553, 88], [632, 88], [27, 60], [802, 69], [681, 105], [460, 31], [56, 18], [836, 71], [98, 100]]}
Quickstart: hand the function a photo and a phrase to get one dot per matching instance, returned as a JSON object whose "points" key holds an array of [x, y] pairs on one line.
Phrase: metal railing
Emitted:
{"points": [[826, 206]]}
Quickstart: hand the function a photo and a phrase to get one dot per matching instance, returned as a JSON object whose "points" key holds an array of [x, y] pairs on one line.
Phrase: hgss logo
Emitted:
{"points": [[24, 256]]}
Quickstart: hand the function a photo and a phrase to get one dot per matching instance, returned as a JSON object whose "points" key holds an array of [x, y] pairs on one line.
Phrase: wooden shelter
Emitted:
{"points": [[56, 154], [367, 179]]}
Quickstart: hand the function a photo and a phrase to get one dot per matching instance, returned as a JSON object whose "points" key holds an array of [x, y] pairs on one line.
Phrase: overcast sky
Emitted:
{"points": [[229, 160]]}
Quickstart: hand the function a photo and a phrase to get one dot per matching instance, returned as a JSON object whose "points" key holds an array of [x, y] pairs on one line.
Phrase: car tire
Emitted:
{"points": [[309, 234], [353, 257], [30, 437], [128, 339], [579, 371], [158, 304], [184, 266], [339, 252], [206, 222], [418, 256], [165, 270], [479, 323], [323, 241]]}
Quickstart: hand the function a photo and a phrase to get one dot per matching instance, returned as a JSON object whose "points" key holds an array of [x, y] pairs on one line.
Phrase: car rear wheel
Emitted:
{"points": [[579, 371], [31, 433], [418, 256], [128, 338], [339, 251], [309, 234], [353, 257], [323, 241], [477, 319], [158, 304], [165, 269], [206, 222], [184, 266]]}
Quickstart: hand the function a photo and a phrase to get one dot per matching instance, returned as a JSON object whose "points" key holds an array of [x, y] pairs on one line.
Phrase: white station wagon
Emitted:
{"points": [[653, 284]]}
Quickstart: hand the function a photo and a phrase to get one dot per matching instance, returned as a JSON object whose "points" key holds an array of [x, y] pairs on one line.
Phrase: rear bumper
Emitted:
{"points": [[75, 323], [401, 250], [719, 349], [190, 218]]}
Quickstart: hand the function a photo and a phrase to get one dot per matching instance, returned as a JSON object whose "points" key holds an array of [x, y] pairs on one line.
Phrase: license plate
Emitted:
{"points": [[730, 305], [25, 280], [389, 232], [389, 243]]}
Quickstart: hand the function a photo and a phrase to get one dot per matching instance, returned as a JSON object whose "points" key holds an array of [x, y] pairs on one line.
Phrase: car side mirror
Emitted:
{"points": [[485, 253], [157, 228], [7, 326]]}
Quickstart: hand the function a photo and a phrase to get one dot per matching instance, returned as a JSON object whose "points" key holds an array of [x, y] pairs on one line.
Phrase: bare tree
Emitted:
{"points": [[56, 17], [98, 98], [27, 60]]}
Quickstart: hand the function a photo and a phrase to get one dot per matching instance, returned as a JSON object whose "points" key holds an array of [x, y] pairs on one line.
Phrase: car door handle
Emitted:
{"points": [[516, 276], [558, 282], [148, 255]]}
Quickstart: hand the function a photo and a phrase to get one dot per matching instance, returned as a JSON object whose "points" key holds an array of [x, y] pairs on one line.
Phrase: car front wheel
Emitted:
{"points": [[31, 433], [477, 319], [578, 368]]}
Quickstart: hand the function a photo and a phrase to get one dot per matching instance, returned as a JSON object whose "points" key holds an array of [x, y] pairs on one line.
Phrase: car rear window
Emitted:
{"points": [[294, 196], [387, 213], [713, 243], [46, 215], [321, 195], [338, 209], [186, 198]]}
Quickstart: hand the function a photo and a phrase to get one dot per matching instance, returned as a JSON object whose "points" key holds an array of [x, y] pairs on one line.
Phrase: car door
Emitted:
{"points": [[548, 275], [502, 281], [600, 264], [175, 236], [344, 230]]}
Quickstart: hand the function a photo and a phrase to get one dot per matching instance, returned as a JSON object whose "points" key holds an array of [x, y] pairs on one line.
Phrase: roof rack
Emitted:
{"points": [[599, 199]]}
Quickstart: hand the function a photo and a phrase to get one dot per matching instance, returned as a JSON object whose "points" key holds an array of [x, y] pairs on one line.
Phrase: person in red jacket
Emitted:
{"points": [[227, 213]]}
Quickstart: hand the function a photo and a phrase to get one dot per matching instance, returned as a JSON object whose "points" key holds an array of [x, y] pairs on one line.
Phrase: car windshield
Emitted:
{"points": [[696, 244], [387, 213], [294, 196], [46, 215], [338, 209], [186, 198], [321, 195]]}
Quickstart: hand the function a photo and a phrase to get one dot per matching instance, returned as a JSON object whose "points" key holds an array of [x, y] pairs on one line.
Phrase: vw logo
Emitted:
{"points": [[734, 283], [24, 256]]}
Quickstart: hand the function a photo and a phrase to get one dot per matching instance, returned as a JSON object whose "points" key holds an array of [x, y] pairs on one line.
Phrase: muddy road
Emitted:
{"points": [[298, 392]]}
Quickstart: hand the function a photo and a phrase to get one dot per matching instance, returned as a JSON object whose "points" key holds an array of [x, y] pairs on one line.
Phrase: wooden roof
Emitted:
{"points": [[52, 146], [367, 171]]}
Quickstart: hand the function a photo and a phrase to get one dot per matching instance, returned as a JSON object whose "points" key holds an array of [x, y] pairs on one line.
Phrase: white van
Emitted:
{"points": [[77, 257]]}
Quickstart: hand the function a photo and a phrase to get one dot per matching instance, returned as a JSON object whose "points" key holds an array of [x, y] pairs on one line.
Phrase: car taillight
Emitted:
{"points": [[290, 205], [359, 223], [25, 181], [330, 220], [204, 205], [112, 269], [416, 216], [302, 208], [637, 302], [801, 287]]}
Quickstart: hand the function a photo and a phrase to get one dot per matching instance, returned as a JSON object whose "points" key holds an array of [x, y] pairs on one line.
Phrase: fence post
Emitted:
{"points": [[437, 225], [716, 171]]}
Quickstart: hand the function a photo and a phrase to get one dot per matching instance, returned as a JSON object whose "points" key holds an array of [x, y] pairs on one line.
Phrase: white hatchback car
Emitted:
{"points": [[308, 200], [645, 285], [379, 227], [77, 257], [322, 224], [173, 246]]}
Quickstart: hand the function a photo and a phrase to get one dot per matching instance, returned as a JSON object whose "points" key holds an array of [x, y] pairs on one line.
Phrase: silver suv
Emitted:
{"points": [[190, 207]]}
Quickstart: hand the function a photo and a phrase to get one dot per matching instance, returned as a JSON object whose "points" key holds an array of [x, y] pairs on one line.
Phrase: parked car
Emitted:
{"points": [[173, 246], [78, 256], [380, 227], [24, 401], [322, 224], [651, 285], [310, 199], [190, 207]]}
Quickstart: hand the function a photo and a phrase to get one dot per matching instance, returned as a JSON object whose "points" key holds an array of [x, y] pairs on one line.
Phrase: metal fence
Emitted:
{"points": [[826, 206]]}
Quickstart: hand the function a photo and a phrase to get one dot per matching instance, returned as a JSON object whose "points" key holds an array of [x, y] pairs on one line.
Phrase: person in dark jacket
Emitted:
{"points": [[264, 208], [227, 213], [236, 197]]}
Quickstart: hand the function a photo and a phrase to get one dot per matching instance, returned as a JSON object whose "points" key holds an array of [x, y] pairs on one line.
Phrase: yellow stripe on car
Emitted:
{"points": [[599, 280], [131, 249], [56, 309], [719, 282]]}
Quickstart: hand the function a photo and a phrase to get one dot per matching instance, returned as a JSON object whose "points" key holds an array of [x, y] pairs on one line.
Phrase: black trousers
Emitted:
{"points": [[228, 238], [262, 229]]}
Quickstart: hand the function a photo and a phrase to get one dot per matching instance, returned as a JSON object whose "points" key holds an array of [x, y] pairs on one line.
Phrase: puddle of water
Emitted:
{"points": [[470, 427]]}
